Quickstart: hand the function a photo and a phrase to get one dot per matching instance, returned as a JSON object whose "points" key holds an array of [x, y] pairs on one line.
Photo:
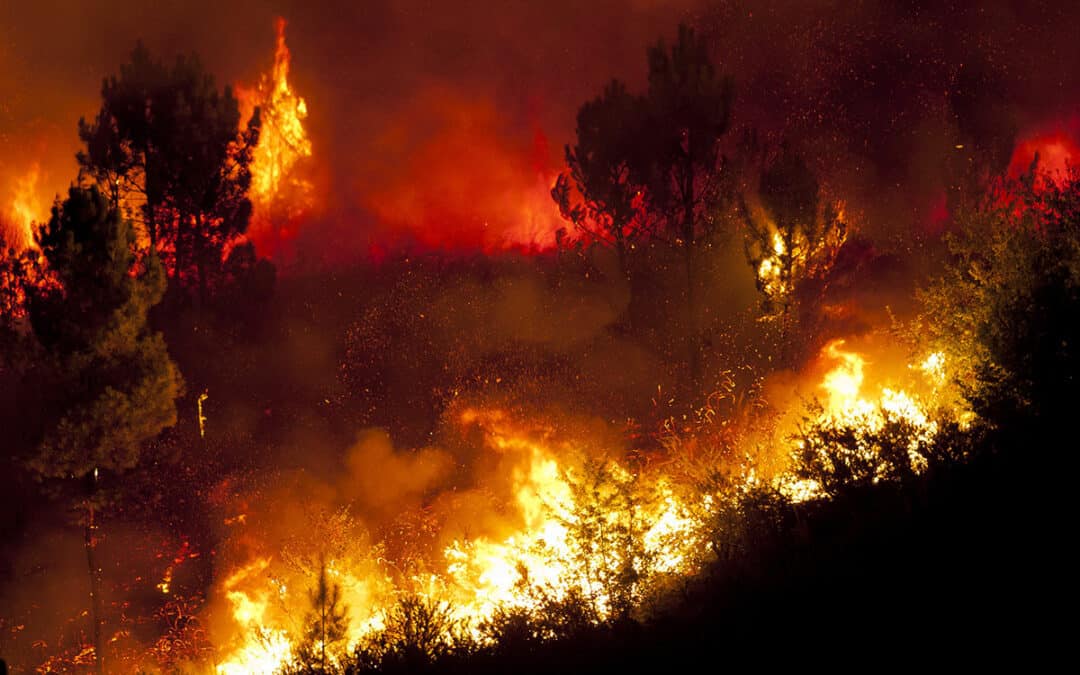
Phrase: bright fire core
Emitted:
{"points": [[581, 528]]}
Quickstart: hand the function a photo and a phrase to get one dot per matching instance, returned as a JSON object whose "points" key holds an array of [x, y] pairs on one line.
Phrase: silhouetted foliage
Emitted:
{"points": [[518, 631], [605, 172], [326, 626], [114, 384], [109, 383], [746, 523], [688, 112], [653, 165], [419, 630], [1006, 310], [840, 455], [606, 531], [15, 275], [167, 147]]}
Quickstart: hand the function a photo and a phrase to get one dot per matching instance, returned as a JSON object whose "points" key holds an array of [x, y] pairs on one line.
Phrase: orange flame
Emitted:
{"points": [[280, 194], [26, 206], [850, 401], [566, 537]]}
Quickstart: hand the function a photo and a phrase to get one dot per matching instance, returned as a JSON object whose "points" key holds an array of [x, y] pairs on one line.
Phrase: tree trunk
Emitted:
{"points": [[692, 337], [322, 626], [199, 253], [95, 582], [691, 305], [624, 266], [114, 191]]}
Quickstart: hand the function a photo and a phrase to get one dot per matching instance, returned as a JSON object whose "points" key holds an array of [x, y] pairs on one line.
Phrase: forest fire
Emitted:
{"points": [[851, 404], [484, 188], [281, 194], [25, 207], [489, 341], [578, 527]]}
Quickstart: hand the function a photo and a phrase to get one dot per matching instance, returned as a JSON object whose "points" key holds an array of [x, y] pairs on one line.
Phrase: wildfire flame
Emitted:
{"points": [[848, 402], [280, 195], [265, 649], [582, 526], [1056, 149], [26, 206], [550, 553], [770, 269]]}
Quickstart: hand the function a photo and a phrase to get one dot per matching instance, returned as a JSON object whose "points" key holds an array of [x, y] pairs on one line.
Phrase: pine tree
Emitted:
{"points": [[603, 170], [792, 237], [688, 113], [15, 269], [327, 623], [110, 384], [168, 147]]}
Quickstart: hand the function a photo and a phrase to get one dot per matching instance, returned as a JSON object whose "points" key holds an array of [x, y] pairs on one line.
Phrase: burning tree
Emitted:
{"points": [[109, 384], [165, 146], [845, 454], [279, 192], [792, 237]]}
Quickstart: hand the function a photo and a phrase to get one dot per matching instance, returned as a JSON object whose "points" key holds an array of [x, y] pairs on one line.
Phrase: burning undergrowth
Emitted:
{"points": [[515, 511], [520, 415], [521, 501]]}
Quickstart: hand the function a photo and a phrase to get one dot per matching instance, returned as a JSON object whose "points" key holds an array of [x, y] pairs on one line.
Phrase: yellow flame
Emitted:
{"points": [[848, 404], [26, 207], [771, 269], [166, 581], [574, 526], [277, 193], [570, 540], [263, 648], [842, 383], [550, 553], [933, 366], [778, 244]]}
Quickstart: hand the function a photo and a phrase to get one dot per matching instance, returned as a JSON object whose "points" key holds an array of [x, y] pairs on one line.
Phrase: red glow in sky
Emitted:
{"points": [[1057, 149]]}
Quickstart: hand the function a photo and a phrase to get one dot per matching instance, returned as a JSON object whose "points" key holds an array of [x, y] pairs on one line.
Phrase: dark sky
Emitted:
{"points": [[446, 119]]}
